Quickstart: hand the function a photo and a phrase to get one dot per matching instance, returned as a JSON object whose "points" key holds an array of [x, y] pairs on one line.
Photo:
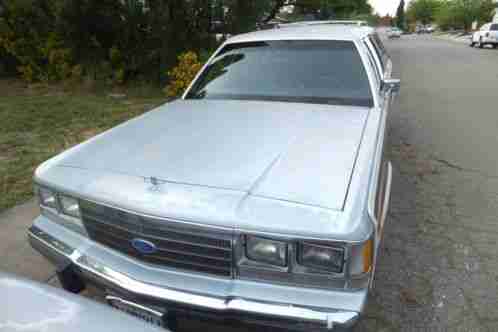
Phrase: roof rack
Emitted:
{"points": [[338, 22]]}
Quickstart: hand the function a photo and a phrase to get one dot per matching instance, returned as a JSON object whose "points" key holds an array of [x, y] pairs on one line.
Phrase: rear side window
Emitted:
{"points": [[494, 27], [372, 63], [380, 50]]}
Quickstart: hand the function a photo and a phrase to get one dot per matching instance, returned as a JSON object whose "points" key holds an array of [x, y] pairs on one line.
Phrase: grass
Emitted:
{"points": [[38, 122]]}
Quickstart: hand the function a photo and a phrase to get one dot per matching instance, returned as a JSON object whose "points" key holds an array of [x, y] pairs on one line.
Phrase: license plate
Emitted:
{"points": [[151, 316]]}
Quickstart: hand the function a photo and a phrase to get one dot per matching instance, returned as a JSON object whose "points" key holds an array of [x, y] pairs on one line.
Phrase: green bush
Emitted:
{"points": [[27, 33]]}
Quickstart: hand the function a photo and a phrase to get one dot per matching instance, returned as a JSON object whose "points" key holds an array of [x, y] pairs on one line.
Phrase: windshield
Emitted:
{"points": [[494, 27], [323, 72]]}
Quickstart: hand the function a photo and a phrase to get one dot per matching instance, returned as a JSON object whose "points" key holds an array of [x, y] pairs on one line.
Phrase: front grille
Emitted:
{"points": [[178, 246]]}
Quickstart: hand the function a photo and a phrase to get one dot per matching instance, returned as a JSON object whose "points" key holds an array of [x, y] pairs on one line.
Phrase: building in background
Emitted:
{"points": [[386, 21]]}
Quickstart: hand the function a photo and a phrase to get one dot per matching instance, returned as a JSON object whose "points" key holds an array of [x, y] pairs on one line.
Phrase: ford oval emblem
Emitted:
{"points": [[143, 246]]}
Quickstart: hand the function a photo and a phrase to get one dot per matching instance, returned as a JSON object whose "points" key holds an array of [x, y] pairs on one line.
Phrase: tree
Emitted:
{"points": [[27, 35], [218, 11], [460, 14], [372, 19], [469, 11], [445, 16], [400, 15], [323, 9], [349, 8], [129, 39], [242, 15], [423, 11]]}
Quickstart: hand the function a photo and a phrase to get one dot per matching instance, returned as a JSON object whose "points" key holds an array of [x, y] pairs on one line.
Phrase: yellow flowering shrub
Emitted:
{"points": [[180, 76]]}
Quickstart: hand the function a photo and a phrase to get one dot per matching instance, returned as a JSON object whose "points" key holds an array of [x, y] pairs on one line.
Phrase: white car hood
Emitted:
{"points": [[299, 153]]}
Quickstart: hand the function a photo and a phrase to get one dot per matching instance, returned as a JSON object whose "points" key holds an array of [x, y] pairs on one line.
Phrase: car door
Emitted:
{"points": [[476, 35], [380, 60], [380, 185]]}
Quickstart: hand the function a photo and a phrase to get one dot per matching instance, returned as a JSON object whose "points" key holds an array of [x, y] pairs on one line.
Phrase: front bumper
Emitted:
{"points": [[489, 40], [92, 271]]}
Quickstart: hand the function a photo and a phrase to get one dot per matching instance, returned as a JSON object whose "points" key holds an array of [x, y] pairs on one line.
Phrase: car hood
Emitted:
{"points": [[300, 153]]}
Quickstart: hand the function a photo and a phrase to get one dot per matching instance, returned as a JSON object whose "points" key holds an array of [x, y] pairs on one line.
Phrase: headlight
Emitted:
{"points": [[63, 209], [47, 197], [69, 206], [266, 250], [321, 257]]}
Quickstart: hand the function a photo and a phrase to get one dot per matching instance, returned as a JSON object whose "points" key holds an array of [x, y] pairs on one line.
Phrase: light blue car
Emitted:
{"points": [[260, 195], [29, 306]]}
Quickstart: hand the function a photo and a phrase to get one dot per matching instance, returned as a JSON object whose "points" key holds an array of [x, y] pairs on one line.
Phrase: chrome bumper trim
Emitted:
{"points": [[58, 252]]}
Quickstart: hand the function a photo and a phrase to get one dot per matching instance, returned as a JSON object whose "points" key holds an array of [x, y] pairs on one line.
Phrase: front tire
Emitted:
{"points": [[480, 45]]}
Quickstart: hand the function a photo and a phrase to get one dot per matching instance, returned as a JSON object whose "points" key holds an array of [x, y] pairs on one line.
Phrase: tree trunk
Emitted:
{"points": [[274, 11]]}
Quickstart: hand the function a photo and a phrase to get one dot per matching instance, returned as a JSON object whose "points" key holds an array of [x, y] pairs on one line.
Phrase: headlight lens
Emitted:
{"points": [[69, 206], [321, 257], [47, 197], [65, 209], [266, 250]]}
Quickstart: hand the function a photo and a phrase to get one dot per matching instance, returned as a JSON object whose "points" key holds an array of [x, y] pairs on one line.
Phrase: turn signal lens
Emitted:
{"points": [[362, 257], [367, 254]]}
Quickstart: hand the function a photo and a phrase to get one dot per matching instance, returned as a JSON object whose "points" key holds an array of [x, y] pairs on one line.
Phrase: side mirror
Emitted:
{"points": [[391, 85]]}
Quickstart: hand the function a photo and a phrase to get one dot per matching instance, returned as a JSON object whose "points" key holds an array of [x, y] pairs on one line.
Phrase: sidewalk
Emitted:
{"points": [[454, 38], [16, 255]]}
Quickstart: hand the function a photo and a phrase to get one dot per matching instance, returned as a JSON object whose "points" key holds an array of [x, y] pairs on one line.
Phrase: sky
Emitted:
{"points": [[383, 7]]}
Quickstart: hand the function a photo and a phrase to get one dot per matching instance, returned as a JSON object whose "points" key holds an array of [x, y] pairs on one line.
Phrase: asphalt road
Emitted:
{"points": [[439, 269], [439, 266]]}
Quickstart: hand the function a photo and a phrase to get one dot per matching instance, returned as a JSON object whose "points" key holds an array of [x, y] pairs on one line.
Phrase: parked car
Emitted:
{"points": [[31, 306], [260, 195], [421, 29], [487, 35], [430, 29], [394, 33]]}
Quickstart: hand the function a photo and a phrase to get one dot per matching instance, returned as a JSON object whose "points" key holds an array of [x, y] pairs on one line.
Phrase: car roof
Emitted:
{"points": [[306, 32]]}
